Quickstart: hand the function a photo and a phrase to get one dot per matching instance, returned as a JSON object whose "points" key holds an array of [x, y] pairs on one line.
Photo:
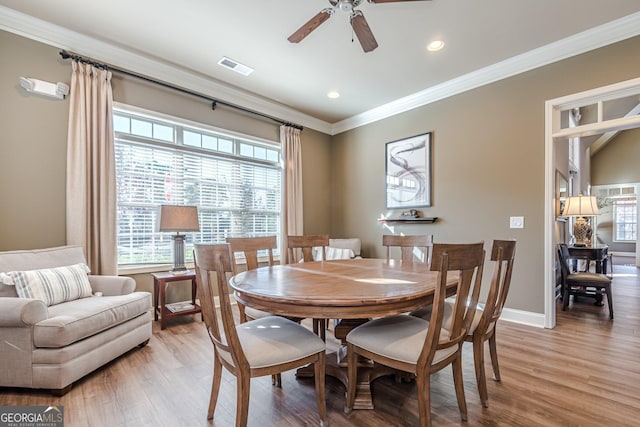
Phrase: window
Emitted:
{"points": [[625, 219], [234, 180]]}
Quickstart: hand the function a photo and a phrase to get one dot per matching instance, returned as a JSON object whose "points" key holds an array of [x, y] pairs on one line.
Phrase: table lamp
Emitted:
{"points": [[178, 218], [579, 207]]}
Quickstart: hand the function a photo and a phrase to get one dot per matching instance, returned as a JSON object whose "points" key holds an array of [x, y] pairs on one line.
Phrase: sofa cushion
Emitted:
{"points": [[37, 259], [51, 285], [74, 320]]}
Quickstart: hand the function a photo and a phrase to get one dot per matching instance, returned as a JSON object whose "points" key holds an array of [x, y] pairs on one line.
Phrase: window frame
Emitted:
{"points": [[632, 206], [270, 161]]}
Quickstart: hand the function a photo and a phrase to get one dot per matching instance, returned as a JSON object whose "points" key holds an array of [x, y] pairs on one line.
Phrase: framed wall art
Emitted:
{"points": [[562, 192], [408, 171]]}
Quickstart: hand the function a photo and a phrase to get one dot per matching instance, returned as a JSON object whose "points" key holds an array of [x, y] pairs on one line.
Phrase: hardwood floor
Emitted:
{"points": [[585, 372]]}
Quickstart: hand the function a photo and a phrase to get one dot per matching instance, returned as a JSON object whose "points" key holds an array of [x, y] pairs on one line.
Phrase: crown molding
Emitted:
{"points": [[597, 37], [54, 35]]}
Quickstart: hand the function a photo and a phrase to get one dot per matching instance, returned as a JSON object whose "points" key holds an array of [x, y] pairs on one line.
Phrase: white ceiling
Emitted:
{"points": [[187, 39]]}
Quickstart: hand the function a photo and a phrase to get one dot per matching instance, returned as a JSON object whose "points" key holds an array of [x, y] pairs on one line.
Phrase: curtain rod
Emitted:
{"points": [[214, 102]]}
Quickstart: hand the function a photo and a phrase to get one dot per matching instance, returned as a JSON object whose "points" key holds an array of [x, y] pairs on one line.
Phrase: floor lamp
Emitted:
{"points": [[178, 218], [580, 207]]}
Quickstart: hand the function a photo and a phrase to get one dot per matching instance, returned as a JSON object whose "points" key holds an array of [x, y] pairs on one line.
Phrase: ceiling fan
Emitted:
{"points": [[356, 18]]}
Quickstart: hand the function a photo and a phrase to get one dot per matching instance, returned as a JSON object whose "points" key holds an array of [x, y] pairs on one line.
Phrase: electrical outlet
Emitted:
{"points": [[516, 222]]}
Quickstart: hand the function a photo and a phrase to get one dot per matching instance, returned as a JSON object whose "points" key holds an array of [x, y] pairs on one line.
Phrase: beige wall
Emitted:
{"points": [[619, 161], [32, 148], [488, 163]]}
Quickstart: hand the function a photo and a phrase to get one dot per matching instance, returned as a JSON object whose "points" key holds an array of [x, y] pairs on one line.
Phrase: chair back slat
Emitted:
{"points": [[468, 261], [250, 246], [305, 245], [213, 264], [563, 257], [408, 246], [503, 254]]}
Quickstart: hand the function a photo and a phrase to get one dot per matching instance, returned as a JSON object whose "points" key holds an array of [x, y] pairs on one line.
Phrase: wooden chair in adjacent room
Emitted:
{"points": [[421, 347], [256, 348], [300, 248], [582, 283], [483, 327], [412, 248]]}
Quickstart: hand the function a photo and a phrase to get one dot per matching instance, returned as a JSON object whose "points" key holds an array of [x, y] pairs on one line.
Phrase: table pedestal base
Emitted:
{"points": [[367, 373]]}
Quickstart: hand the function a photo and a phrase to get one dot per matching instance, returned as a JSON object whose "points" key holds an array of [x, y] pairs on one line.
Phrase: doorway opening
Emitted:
{"points": [[558, 129]]}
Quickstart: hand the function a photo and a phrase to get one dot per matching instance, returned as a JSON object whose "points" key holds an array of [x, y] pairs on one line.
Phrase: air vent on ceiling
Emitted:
{"points": [[235, 66]]}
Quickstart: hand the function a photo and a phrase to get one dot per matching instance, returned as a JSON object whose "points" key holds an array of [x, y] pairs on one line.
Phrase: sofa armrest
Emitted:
{"points": [[21, 312], [112, 285]]}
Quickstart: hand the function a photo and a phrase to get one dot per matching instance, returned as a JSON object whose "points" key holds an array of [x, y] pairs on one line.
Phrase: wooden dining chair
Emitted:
{"points": [[408, 246], [582, 283], [483, 327], [265, 346], [249, 248], [412, 344], [300, 248]]}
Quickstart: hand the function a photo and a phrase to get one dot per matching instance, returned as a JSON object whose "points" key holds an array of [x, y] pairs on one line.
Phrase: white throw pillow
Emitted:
{"points": [[51, 285]]}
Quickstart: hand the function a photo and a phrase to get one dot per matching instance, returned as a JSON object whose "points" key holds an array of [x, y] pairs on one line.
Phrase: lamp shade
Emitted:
{"points": [[581, 206], [178, 218]]}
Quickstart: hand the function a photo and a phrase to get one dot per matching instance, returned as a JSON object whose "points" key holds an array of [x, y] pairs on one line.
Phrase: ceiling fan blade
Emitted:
{"points": [[392, 1], [362, 30], [311, 25]]}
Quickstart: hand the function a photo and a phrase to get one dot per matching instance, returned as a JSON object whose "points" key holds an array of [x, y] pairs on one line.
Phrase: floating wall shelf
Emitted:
{"points": [[427, 220]]}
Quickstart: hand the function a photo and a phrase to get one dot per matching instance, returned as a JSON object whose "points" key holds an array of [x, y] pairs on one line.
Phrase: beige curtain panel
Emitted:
{"points": [[292, 215], [91, 182]]}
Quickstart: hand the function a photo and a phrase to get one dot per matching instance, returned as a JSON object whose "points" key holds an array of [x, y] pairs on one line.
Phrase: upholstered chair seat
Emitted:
{"points": [[398, 337], [274, 340]]}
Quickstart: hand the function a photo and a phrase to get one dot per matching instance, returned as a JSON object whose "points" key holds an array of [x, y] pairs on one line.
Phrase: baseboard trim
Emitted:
{"points": [[523, 317], [625, 254]]}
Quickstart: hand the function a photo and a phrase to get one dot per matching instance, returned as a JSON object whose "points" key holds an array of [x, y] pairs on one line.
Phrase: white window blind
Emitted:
{"points": [[235, 182]]}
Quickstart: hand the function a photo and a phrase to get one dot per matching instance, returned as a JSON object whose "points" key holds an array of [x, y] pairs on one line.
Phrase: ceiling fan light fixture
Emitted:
{"points": [[435, 46], [346, 5]]}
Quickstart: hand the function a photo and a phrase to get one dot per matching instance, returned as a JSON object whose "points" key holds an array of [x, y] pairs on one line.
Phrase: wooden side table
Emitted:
{"points": [[160, 281]]}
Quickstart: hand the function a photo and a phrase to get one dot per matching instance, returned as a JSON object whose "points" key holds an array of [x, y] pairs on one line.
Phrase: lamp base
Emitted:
{"points": [[178, 253], [580, 229]]}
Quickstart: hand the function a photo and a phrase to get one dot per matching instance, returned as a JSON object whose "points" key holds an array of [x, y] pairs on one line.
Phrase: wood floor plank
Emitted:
{"points": [[585, 372]]}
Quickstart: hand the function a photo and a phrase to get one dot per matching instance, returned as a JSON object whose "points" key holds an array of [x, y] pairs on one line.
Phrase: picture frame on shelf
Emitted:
{"points": [[408, 172]]}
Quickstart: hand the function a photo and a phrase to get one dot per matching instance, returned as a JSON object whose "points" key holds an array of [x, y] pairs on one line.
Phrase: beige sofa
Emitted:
{"points": [[50, 347]]}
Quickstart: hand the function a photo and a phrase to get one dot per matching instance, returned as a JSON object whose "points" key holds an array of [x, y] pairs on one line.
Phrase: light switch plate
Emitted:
{"points": [[516, 222]]}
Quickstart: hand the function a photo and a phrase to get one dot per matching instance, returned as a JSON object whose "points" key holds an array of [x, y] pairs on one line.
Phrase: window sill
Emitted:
{"points": [[145, 268], [155, 268]]}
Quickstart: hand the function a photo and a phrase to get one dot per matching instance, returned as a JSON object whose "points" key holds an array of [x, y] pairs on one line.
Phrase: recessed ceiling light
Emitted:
{"points": [[333, 94], [435, 45]]}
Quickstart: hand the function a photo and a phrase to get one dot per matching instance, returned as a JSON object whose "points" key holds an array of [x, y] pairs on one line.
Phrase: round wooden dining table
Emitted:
{"points": [[341, 289]]}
